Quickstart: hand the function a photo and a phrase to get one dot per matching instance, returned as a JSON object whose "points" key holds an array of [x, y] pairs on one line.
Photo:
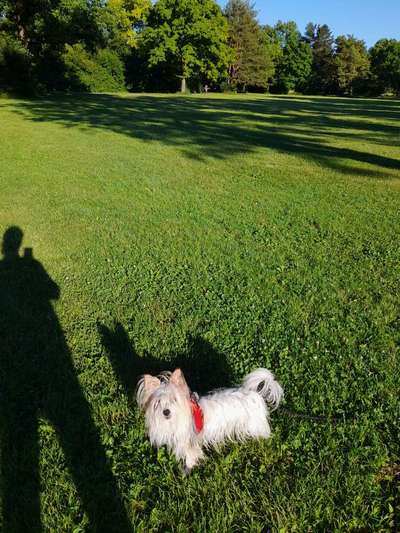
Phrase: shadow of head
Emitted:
{"points": [[12, 240], [204, 367]]}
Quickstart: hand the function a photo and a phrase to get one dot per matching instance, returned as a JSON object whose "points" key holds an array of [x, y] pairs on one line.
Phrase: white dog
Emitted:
{"points": [[178, 419]]}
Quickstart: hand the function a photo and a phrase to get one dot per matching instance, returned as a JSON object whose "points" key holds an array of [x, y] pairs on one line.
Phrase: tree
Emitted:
{"points": [[249, 65], [293, 65], [45, 28], [352, 63], [273, 53], [323, 76], [15, 65], [32, 24], [189, 37], [102, 71], [120, 21], [385, 64], [25, 16]]}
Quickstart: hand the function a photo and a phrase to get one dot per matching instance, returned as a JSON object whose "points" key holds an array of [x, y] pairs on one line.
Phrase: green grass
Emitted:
{"points": [[221, 234]]}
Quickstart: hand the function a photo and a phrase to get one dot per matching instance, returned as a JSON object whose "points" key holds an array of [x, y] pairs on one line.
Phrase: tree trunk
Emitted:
{"points": [[183, 85], [21, 28]]}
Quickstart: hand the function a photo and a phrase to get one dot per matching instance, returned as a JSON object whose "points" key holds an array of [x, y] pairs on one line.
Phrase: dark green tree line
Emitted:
{"points": [[167, 45]]}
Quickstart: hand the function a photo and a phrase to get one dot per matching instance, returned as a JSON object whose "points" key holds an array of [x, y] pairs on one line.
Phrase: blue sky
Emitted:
{"points": [[366, 19]]}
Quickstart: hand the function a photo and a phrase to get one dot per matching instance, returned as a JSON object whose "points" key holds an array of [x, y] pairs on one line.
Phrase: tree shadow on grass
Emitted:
{"points": [[37, 378], [222, 127], [369, 108], [204, 367]]}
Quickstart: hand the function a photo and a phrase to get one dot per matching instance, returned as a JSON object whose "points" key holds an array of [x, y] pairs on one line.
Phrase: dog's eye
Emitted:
{"points": [[166, 413]]}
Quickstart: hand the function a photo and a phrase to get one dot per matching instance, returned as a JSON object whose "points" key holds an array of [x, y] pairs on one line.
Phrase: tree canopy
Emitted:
{"points": [[321, 41], [103, 45], [249, 60], [385, 64], [293, 64], [191, 35], [352, 63]]}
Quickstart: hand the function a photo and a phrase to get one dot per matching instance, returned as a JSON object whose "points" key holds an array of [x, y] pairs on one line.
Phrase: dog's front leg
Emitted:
{"points": [[194, 454]]}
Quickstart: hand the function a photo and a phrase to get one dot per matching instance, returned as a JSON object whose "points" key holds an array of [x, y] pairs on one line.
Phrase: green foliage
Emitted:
{"points": [[273, 53], [385, 64], [101, 71], [323, 76], [15, 66], [75, 21], [38, 24], [352, 63], [293, 64], [188, 36], [43, 27], [249, 65], [119, 22], [165, 41], [47, 28]]}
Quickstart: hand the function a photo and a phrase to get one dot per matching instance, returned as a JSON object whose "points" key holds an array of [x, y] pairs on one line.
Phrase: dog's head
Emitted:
{"points": [[165, 401]]}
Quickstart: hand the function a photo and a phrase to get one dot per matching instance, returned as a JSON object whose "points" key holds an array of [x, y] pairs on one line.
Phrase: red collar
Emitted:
{"points": [[197, 414]]}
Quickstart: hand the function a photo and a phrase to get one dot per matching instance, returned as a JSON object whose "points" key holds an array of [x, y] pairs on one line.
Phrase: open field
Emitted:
{"points": [[219, 233]]}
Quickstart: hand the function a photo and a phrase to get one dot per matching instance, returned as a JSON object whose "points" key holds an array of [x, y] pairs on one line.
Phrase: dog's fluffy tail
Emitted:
{"points": [[263, 382]]}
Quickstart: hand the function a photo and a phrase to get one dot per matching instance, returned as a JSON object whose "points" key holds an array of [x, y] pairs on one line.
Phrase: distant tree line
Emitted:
{"points": [[187, 45]]}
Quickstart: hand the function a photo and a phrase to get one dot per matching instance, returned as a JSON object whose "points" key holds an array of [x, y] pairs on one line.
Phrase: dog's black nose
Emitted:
{"points": [[166, 413]]}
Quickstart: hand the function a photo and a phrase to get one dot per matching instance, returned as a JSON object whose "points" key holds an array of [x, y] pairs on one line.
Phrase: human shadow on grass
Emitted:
{"points": [[204, 367], [37, 378], [220, 128]]}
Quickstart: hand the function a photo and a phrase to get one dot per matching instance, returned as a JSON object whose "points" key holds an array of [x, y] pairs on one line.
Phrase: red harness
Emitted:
{"points": [[197, 414]]}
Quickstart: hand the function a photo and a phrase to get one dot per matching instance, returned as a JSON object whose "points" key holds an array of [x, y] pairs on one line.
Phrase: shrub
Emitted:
{"points": [[101, 71], [15, 66]]}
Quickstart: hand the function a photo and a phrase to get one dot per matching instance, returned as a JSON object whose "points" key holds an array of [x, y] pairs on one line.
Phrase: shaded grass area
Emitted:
{"points": [[221, 127], [218, 234]]}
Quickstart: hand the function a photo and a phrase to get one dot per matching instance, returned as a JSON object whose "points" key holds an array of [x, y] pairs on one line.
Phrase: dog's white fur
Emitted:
{"points": [[229, 414]]}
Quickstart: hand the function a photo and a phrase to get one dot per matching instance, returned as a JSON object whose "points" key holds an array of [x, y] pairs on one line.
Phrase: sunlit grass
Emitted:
{"points": [[231, 232]]}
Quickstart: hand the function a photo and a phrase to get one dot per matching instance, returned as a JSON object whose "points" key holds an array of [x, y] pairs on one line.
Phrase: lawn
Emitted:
{"points": [[217, 233]]}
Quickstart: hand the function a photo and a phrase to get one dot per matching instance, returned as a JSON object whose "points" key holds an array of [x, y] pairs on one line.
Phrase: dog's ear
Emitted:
{"points": [[178, 379], [145, 387], [150, 383]]}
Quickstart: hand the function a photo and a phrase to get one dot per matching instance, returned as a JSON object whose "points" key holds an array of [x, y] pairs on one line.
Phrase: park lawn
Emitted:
{"points": [[220, 233]]}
